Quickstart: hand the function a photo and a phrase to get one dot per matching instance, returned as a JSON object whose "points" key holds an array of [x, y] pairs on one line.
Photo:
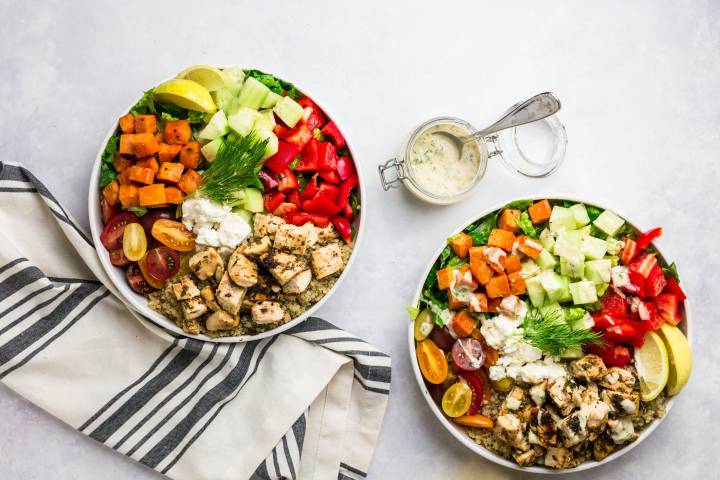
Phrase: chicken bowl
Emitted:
{"points": [[550, 335]]}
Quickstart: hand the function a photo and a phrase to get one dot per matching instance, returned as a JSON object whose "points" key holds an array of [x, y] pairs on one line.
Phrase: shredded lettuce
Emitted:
{"points": [[671, 271], [145, 105], [412, 312], [593, 212], [481, 232], [527, 226], [519, 204], [275, 84], [107, 174], [111, 149]]}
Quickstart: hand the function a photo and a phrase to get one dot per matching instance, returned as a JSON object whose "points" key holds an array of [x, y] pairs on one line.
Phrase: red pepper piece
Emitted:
{"points": [[330, 130], [348, 213], [644, 239], [285, 209], [673, 287], [615, 305], [309, 157], [345, 167], [294, 197], [313, 118], [630, 251], [268, 179], [329, 190], [285, 155], [298, 136], [346, 187], [655, 283], [272, 200], [301, 218], [327, 156], [330, 176], [342, 225], [667, 308], [287, 180], [322, 205], [310, 189]]}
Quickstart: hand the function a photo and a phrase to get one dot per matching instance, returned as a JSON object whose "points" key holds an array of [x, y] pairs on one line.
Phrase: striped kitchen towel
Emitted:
{"points": [[307, 404]]}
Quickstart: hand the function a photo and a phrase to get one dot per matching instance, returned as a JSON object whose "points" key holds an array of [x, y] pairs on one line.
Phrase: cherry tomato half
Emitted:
{"points": [[474, 421], [137, 281], [174, 235], [442, 338], [468, 354], [423, 325], [476, 385], [457, 399], [162, 262], [432, 361], [148, 220], [118, 258], [134, 242], [112, 235], [154, 282]]}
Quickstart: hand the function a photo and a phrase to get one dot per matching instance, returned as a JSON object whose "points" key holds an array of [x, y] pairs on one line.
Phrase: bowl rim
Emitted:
{"points": [[458, 431], [139, 303]]}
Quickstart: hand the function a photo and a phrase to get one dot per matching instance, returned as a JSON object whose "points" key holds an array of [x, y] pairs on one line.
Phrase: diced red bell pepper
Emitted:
{"points": [[315, 118], [673, 287], [311, 188], [285, 209], [623, 333], [615, 305], [347, 212], [331, 131], [309, 157], [630, 251], [643, 240], [301, 218], [345, 168], [636, 284], [611, 354], [285, 155], [327, 156], [342, 226], [643, 265], [346, 187], [272, 200], [606, 320], [294, 197], [667, 308], [319, 220], [649, 316], [268, 179], [322, 205], [329, 190], [329, 176], [298, 136], [287, 180], [655, 283]]}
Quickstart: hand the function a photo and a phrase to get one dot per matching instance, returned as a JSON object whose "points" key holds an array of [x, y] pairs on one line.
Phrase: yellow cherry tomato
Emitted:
{"points": [[423, 325], [457, 399], [134, 242], [432, 361]]}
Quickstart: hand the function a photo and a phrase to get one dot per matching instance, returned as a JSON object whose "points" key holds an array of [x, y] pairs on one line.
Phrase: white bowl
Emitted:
{"points": [[459, 432], [139, 302]]}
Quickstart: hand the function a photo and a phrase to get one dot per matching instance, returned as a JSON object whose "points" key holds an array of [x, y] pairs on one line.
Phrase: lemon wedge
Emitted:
{"points": [[208, 76], [680, 357], [653, 366], [186, 94]]}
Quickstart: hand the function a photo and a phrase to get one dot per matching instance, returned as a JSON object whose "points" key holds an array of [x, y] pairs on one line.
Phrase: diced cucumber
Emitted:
{"points": [[242, 121], [586, 322], [601, 288], [272, 146], [253, 200], [554, 311], [614, 246], [225, 97], [593, 248], [529, 268], [575, 352], [583, 292], [547, 239], [289, 111], [216, 127], [598, 271], [572, 266], [535, 291], [581, 216], [247, 215], [266, 120], [561, 218], [568, 243], [210, 150], [608, 222], [271, 99], [556, 287], [252, 95], [235, 74], [546, 260]]}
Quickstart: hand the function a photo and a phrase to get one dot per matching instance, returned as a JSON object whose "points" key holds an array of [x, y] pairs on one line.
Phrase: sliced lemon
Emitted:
{"points": [[653, 366], [680, 357], [208, 76], [185, 94]]}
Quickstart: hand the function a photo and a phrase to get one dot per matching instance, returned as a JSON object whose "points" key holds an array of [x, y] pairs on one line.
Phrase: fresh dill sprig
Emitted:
{"points": [[549, 332], [235, 166]]}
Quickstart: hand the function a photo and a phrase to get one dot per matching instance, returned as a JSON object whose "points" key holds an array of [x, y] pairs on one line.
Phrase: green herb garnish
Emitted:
{"points": [[550, 332]]}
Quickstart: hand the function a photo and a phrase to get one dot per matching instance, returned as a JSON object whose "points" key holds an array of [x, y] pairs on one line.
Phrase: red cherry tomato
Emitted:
{"points": [[162, 262], [151, 216], [118, 258], [476, 385], [468, 354], [137, 281], [112, 235], [152, 281], [442, 338]]}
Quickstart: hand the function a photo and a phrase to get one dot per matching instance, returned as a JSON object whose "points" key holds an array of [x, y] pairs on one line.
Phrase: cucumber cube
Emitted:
{"points": [[601, 288], [593, 248], [598, 271], [253, 200], [252, 94], [234, 74], [535, 291], [568, 243], [266, 120], [289, 111], [581, 216], [614, 246], [575, 352], [547, 239], [243, 121], [583, 292], [529, 268], [561, 219], [556, 287], [216, 127], [546, 260], [246, 215], [584, 323], [225, 97], [271, 99], [609, 223], [210, 150], [272, 146], [572, 266], [553, 310]]}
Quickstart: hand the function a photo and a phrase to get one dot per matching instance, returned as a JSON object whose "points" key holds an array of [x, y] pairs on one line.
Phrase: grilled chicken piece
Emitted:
{"points": [[207, 264], [208, 295], [602, 447], [525, 459], [513, 400], [622, 403], [229, 296], [283, 266], [565, 394], [221, 320], [267, 312], [537, 393], [621, 430], [257, 247], [327, 260], [266, 224], [590, 393], [558, 457], [619, 379], [597, 414], [295, 239], [510, 428], [545, 422], [588, 368], [242, 270], [573, 428], [191, 326], [193, 308], [185, 288], [298, 283], [326, 235]]}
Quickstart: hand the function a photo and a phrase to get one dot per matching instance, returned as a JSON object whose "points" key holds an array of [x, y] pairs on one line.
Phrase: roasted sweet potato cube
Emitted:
{"points": [[540, 211], [517, 284], [463, 324], [465, 278], [453, 302], [173, 195], [111, 192], [152, 195], [509, 220], [128, 196], [121, 163], [145, 124], [190, 155], [149, 162], [125, 144], [167, 152], [177, 132], [461, 244], [478, 266], [501, 239], [512, 264], [123, 177], [189, 181], [498, 286], [170, 172], [127, 123], [493, 304], [142, 175], [529, 246], [444, 278], [144, 145]]}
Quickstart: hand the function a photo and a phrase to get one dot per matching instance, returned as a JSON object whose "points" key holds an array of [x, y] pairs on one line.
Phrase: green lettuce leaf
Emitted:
{"points": [[527, 226], [671, 271], [593, 212], [519, 204], [275, 84], [481, 232], [111, 149], [107, 174], [145, 105]]}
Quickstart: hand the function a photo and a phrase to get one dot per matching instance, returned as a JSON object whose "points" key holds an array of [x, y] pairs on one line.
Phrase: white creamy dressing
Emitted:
{"points": [[214, 224], [439, 166]]}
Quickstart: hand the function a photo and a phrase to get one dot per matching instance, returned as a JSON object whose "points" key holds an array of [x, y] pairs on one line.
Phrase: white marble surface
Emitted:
{"points": [[639, 84]]}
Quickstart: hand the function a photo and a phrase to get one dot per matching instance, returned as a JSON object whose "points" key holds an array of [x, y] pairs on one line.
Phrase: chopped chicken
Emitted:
{"points": [[622, 402], [622, 430], [602, 447], [573, 428], [597, 414], [511, 306], [298, 283], [513, 400], [589, 367], [545, 422], [295, 239], [590, 393], [558, 457], [565, 394], [257, 247], [525, 459], [193, 308], [207, 264], [283, 266], [326, 235], [185, 288], [618, 379], [221, 320], [242, 270], [209, 296], [327, 260], [267, 312], [537, 393], [229, 296], [266, 224], [191, 326], [509, 428]]}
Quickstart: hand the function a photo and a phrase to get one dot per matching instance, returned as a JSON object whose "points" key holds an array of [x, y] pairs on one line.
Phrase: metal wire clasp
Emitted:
{"points": [[399, 173]]}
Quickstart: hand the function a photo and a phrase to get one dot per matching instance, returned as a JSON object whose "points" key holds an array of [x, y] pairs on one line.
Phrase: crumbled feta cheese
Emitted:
{"points": [[537, 393], [614, 246], [620, 276], [512, 403], [214, 224]]}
